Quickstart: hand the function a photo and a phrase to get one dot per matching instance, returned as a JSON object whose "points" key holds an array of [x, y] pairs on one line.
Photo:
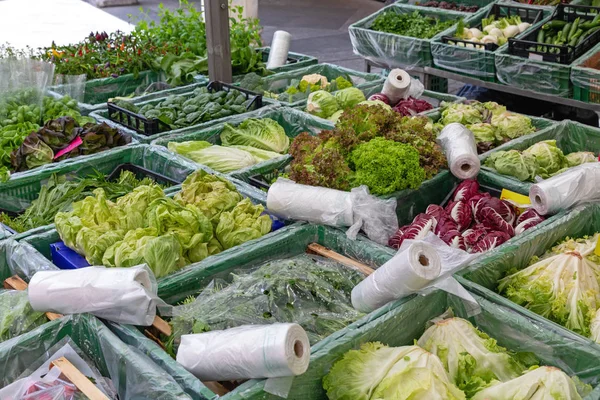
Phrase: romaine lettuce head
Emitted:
{"points": [[242, 224], [184, 148], [465, 114], [510, 126], [265, 134], [322, 104], [417, 375], [259, 155], [483, 132], [513, 163], [540, 383], [549, 158], [471, 358], [564, 288], [580, 157], [222, 159], [349, 97]]}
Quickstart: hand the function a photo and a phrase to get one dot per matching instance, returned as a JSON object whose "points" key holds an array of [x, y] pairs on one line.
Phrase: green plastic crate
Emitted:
{"points": [[585, 79], [479, 3], [98, 91], [482, 276], [478, 63], [102, 116], [530, 74], [393, 50], [278, 83], [289, 242], [18, 193], [133, 374], [570, 136], [293, 121]]}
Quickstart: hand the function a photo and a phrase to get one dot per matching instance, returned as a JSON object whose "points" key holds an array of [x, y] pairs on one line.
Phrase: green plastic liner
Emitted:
{"points": [[279, 83], [134, 375], [586, 78], [391, 50], [482, 275], [570, 136], [18, 193], [539, 76], [293, 122], [98, 91]]}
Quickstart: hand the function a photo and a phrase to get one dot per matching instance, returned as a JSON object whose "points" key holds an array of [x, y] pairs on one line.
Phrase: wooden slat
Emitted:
{"points": [[325, 252], [78, 379], [162, 326], [216, 388], [156, 340], [16, 283]]}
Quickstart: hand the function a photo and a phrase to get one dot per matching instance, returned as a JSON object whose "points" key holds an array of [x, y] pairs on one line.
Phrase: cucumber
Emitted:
{"points": [[573, 29]]}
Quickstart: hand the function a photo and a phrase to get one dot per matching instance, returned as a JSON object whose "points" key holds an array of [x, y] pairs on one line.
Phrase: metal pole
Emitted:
{"points": [[217, 40]]}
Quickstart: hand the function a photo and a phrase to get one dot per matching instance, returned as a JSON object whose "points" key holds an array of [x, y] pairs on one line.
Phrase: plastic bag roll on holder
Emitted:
{"points": [[122, 295], [356, 209], [577, 185], [246, 352], [461, 150]]}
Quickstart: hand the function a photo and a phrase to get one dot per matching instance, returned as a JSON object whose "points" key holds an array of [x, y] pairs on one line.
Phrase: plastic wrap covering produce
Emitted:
{"points": [[461, 151], [505, 339], [585, 75], [16, 314], [293, 88], [309, 290], [120, 369], [123, 295], [72, 86], [36, 197], [399, 35], [206, 217], [536, 273], [356, 209], [518, 164], [539, 76], [577, 185], [246, 352]]}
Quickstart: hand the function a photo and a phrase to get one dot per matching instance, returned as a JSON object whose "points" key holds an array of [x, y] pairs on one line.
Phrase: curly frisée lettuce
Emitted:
{"points": [[471, 357], [541, 383], [563, 286], [379, 372]]}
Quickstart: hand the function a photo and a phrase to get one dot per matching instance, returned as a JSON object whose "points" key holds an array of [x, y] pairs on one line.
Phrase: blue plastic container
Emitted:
{"points": [[66, 258]]}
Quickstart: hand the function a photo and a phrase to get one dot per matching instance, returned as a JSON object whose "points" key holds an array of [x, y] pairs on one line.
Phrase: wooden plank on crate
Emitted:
{"points": [[216, 388], [328, 253], [78, 379], [162, 326], [16, 283]]}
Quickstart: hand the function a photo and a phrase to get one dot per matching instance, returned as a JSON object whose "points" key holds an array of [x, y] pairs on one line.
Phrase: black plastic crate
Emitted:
{"points": [[529, 15], [263, 181], [141, 173], [152, 126], [290, 59], [528, 47]]}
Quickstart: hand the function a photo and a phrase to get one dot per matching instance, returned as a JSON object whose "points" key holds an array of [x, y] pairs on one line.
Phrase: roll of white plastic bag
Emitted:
{"points": [[246, 352], [356, 209], [577, 185], [407, 272], [123, 295], [280, 46], [461, 150], [397, 85]]}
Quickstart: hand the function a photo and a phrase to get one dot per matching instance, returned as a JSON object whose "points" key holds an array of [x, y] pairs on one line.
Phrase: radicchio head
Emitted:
{"points": [[530, 213], [466, 190], [503, 208], [436, 211], [474, 234], [454, 239], [526, 224], [380, 97], [490, 241], [460, 213], [492, 219], [418, 229], [444, 225], [478, 201]]}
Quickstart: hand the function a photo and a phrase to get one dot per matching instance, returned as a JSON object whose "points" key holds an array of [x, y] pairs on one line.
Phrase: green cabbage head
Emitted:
{"points": [[483, 132], [513, 163], [549, 158], [322, 104], [510, 126], [349, 97], [465, 114], [580, 157]]}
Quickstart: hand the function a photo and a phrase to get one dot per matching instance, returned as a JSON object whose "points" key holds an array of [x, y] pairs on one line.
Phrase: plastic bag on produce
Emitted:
{"points": [[123, 295], [357, 209], [16, 314], [23, 82], [70, 85], [21, 258], [42, 381]]}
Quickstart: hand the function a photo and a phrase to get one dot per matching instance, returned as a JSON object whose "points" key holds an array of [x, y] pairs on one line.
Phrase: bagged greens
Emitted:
{"points": [[58, 195], [16, 314], [308, 290], [543, 159], [491, 124], [145, 226]]}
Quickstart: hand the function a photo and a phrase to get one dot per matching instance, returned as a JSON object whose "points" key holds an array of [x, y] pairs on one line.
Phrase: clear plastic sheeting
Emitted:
{"points": [[356, 209], [393, 50], [25, 78], [22, 259], [132, 373], [585, 74], [46, 382], [16, 315], [461, 151], [71, 85]]}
